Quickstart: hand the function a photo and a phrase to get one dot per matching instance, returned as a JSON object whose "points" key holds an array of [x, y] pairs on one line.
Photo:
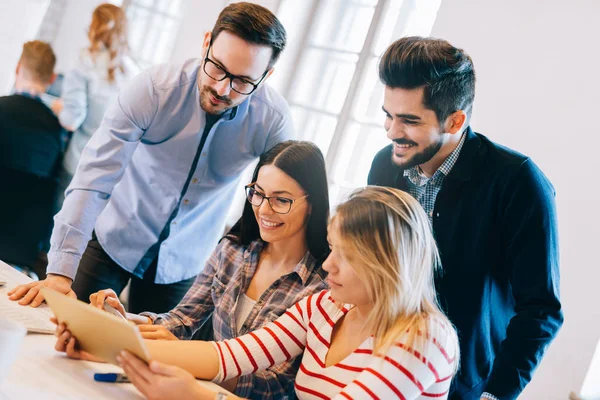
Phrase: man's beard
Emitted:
{"points": [[208, 107], [419, 158]]}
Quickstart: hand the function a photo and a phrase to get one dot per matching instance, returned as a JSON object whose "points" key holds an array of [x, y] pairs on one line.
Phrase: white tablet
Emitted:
{"points": [[99, 333]]}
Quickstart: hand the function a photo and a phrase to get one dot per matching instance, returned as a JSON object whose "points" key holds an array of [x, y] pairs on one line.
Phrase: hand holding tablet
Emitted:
{"points": [[99, 333]]}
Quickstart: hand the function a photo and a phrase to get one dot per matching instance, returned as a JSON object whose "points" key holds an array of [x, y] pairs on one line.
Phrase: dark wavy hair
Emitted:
{"points": [[446, 72], [303, 162]]}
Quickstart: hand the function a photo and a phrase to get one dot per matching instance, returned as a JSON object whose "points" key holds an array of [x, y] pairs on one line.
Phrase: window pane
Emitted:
{"points": [[372, 3], [138, 18], [166, 36], [370, 99], [406, 18], [323, 79], [294, 15], [144, 3], [162, 5], [176, 7], [171, 7], [342, 24], [338, 194], [394, 20], [314, 126], [358, 147], [151, 37]]}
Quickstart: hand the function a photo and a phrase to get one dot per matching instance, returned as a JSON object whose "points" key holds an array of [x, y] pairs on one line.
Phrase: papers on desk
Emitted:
{"points": [[35, 319]]}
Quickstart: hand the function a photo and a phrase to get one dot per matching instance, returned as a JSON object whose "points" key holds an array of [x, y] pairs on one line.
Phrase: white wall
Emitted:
{"points": [[19, 22], [537, 65]]}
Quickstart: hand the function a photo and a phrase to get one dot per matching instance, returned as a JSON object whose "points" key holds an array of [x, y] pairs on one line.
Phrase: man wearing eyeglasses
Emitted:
{"points": [[156, 180]]}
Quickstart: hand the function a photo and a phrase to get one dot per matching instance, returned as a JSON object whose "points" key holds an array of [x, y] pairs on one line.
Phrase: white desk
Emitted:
{"points": [[40, 372]]}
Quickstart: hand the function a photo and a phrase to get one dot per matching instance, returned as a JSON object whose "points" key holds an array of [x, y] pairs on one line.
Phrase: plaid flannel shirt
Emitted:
{"points": [[215, 292], [425, 189]]}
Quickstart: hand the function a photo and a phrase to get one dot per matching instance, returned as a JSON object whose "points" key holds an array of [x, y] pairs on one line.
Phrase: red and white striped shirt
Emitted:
{"points": [[403, 373]]}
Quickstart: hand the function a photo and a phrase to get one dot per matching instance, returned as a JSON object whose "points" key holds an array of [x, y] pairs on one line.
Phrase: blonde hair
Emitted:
{"points": [[38, 61], [108, 30], [387, 238]]}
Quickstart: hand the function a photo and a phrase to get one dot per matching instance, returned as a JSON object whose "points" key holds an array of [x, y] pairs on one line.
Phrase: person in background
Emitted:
{"points": [[30, 134], [377, 333], [93, 84], [31, 147], [155, 181], [493, 214], [270, 260]]}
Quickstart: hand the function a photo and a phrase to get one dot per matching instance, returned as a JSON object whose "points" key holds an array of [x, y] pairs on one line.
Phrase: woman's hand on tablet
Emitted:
{"points": [[161, 381], [66, 343], [156, 332], [110, 297]]}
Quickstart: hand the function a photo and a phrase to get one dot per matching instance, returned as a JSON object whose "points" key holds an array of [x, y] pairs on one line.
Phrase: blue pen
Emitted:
{"points": [[112, 378]]}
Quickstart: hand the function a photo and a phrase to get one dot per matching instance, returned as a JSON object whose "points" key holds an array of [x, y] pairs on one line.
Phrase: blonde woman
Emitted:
{"points": [[377, 333], [93, 83]]}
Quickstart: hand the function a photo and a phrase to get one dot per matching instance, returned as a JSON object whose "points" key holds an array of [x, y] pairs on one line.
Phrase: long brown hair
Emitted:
{"points": [[108, 30]]}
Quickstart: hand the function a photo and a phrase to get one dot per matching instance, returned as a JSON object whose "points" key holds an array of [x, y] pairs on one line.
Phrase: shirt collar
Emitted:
{"points": [[228, 115], [415, 176], [28, 94], [305, 267]]}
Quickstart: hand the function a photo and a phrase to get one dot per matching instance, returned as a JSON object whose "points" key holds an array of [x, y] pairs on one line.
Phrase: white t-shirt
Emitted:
{"points": [[244, 306]]}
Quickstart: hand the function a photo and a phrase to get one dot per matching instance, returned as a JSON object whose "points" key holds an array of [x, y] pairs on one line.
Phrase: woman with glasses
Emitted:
{"points": [[270, 260], [378, 333]]}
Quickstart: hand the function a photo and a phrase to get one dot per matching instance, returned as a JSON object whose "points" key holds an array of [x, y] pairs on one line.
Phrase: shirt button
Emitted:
{"points": [[195, 180], [174, 222], [186, 201], [203, 154]]}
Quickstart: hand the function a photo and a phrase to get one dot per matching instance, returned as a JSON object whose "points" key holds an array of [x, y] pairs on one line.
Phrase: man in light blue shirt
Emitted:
{"points": [[157, 178]]}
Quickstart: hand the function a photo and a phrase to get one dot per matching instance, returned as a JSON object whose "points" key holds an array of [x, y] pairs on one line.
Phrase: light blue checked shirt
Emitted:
{"points": [[132, 172], [425, 189]]}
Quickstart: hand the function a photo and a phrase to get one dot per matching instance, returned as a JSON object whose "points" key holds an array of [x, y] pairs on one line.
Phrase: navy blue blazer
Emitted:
{"points": [[31, 138], [495, 225]]}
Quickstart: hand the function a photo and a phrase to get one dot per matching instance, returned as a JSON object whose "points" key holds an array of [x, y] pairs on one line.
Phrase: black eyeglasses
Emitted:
{"points": [[237, 84], [281, 205]]}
